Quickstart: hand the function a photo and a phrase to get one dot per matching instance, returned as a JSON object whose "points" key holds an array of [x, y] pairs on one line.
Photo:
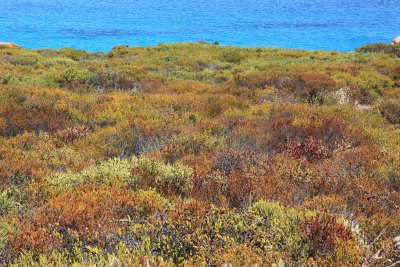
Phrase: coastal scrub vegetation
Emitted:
{"points": [[196, 154]]}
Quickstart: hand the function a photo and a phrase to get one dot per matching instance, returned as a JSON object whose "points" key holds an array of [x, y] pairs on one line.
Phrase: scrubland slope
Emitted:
{"points": [[196, 154]]}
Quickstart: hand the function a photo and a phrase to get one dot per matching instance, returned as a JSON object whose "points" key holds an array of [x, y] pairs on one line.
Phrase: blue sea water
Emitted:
{"points": [[98, 25]]}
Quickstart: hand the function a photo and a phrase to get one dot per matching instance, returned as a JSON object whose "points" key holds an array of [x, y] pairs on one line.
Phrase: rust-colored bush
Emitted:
{"points": [[230, 161], [20, 119], [71, 134], [314, 141], [89, 213], [237, 177], [34, 238], [311, 148], [323, 233]]}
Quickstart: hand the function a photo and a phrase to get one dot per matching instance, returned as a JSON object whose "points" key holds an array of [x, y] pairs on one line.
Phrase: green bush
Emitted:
{"points": [[72, 74], [391, 49], [176, 178], [6, 229], [390, 174], [25, 60], [51, 62], [125, 173], [231, 56], [8, 79], [74, 54], [121, 51], [282, 227], [391, 111], [115, 171], [9, 199], [190, 144]]}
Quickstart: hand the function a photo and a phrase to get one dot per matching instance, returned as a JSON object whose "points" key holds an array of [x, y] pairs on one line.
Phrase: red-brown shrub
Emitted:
{"points": [[34, 238], [90, 213], [323, 233], [71, 134], [20, 119], [311, 148], [230, 161], [314, 141]]}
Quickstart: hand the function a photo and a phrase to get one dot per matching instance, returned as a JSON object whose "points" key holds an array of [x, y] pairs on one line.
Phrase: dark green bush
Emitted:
{"points": [[391, 49], [391, 111], [231, 56], [25, 60]]}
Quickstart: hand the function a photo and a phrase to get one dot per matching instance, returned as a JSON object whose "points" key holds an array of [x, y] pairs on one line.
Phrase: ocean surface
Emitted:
{"points": [[98, 25]]}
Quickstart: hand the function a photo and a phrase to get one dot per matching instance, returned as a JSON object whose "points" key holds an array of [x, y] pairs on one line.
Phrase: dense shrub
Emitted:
{"points": [[190, 144], [37, 117], [231, 161], [199, 155], [323, 234], [391, 49], [9, 200], [91, 213], [231, 56], [314, 140], [25, 60], [169, 179], [134, 172], [71, 134], [307, 86], [114, 81], [74, 54], [253, 80], [391, 111], [70, 75]]}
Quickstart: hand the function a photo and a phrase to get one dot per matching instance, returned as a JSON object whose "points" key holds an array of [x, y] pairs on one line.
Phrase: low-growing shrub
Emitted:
{"points": [[107, 80], [323, 233], [70, 75], [25, 60], [88, 213], [231, 55], [71, 134], [134, 172], [9, 200], [190, 144], [391, 49], [315, 140], [169, 179], [391, 111], [35, 118], [114, 171], [58, 61]]}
